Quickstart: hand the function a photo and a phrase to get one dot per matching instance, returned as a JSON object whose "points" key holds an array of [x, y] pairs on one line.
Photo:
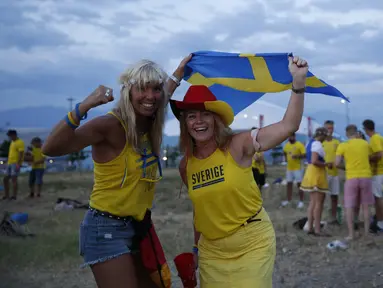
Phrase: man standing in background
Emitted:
{"points": [[294, 152], [330, 145], [15, 160], [376, 144]]}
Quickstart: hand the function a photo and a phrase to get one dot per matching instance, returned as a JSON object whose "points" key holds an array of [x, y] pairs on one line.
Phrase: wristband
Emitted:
{"points": [[195, 249], [175, 80], [77, 109], [298, 91], [69, 123], [71, 119]]}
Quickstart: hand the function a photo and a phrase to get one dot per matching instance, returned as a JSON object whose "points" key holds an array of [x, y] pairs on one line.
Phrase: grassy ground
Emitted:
{"points": [[50, 259]]}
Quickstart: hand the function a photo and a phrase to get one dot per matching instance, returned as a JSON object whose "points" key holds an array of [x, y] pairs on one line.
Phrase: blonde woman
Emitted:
{"points": [[125, 148], [233, 233], [315, 180]]}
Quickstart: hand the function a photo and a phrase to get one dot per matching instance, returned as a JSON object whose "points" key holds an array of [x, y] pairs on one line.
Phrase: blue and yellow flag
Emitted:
{"points": [[241, 79]]}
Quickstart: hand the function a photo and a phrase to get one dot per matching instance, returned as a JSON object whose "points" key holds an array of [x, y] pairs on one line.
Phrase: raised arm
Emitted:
{"points": [[272, 135], [175, 79], [67, 136]]}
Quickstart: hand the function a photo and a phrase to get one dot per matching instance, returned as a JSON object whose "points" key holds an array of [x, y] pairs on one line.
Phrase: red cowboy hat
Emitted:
{"points": [[199, 97]]}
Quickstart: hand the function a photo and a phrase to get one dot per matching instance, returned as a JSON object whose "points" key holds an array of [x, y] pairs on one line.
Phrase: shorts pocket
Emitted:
{"points": [[115, 231], [82, 239]]}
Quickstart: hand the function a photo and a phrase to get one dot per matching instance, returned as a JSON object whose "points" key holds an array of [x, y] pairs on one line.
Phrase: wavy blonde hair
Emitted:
{"points": [[144, 73], [222, 135]]}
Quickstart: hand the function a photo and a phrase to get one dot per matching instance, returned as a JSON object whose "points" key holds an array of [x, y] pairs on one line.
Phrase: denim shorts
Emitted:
{"points": [[103, 238], [36, 176], [12, 171]]}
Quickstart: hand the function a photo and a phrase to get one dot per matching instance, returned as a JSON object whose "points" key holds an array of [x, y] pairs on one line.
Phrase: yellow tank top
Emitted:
{"points": [[224, 195], [124, 186]]}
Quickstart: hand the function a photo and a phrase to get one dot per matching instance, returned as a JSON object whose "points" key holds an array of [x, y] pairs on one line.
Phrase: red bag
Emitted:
{"points": [[152, 254]]}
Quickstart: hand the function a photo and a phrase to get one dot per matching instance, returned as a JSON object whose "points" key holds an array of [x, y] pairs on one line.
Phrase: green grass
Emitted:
{"points": [[50, 259]]}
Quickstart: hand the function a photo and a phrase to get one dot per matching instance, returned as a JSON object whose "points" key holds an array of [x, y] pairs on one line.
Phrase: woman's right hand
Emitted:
{"points": [[100, 96]]}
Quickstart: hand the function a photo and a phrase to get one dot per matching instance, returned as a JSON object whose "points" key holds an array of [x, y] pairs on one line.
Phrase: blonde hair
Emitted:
{"points": [[143, 74], [222, 135]]}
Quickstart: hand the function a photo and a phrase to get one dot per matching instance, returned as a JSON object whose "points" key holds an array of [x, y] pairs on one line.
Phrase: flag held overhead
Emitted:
{"points": [[241, 79]]}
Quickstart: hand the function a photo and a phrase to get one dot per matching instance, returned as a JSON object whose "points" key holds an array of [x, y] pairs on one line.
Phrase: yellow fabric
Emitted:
{"points": [[293, 150], [376, 142], [118, 187], [37, 156], [254, 164], [315, 179], [356, 154], [261, 164], [242, 260], [330, 151], [224, 195], [221, 108], [15, 148]]}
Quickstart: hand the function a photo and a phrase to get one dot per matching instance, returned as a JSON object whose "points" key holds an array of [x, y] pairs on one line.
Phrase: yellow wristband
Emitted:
{"points": [[71, 120]]}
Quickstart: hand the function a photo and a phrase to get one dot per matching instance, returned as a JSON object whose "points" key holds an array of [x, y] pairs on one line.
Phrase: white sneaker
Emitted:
{"points": [[284, 203], [300, 205]]}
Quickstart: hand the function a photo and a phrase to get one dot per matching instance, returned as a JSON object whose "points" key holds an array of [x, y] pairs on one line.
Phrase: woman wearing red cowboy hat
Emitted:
{"points": [[233, 233]]}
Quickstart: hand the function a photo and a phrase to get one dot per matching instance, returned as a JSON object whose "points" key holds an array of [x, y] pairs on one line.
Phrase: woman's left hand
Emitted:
{"points": [[298, 68]]}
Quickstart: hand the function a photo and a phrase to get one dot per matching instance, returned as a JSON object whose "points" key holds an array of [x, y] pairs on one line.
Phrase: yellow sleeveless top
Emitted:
{"points": [[124, 186], [224, 195]]}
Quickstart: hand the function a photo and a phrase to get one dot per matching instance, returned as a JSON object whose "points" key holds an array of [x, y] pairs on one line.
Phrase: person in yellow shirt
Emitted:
{"points": [[376, 144], [15, 160], [37, 159], [235, 242], [259, 169], [126, 144], [330, 145], [294, 152], [358, 186]]}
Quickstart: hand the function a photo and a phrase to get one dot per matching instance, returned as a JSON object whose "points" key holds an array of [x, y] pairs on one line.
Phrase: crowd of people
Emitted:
{"points": [[16, 157], [325, 155], [234, 239]]}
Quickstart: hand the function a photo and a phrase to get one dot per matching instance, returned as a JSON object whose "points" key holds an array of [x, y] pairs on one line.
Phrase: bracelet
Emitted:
{"points": [[69, 123], [175, 80], [77, 109], [298, 91], [195, 249], [71, 119]]}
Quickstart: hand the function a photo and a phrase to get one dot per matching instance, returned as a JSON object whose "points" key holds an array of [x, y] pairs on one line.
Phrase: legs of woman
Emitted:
{"points": [[318, 208], [310, 211], [119, 272]]}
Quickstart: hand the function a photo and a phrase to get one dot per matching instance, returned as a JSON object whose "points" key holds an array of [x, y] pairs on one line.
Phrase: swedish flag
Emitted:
{"points": [[241, 79]]}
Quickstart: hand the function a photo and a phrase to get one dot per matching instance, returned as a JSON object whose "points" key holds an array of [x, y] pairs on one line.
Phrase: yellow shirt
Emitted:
{"points": [[261, 165], [37, 156], [224, 195], [330, 154], [376, 143], [356, 155], [123, 186], [293, 150], [15, 148]]}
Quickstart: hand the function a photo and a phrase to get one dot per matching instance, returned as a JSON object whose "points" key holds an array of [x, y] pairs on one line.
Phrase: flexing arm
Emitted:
{"points": [[64, 139], [272, 135]]}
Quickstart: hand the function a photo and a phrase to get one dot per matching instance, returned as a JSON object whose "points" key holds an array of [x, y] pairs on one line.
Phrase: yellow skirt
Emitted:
{"points": [[315, 179], [242, 260]]}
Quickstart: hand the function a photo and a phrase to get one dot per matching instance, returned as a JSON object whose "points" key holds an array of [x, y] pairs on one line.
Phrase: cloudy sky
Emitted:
{"points": [[52, 50]]}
